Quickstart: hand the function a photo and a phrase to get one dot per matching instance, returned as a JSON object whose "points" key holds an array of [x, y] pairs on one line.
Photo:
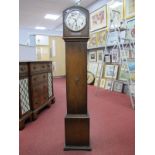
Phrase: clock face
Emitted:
{"points": [[75, 20]]}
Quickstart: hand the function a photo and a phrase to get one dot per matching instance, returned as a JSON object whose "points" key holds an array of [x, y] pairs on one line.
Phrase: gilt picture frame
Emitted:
{"points": [[98, 18], [129, 8], [101, 38], [92, 42]]}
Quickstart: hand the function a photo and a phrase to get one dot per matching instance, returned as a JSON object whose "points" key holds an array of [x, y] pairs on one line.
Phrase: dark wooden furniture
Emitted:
{"points": [[25, 111], [36, 88], [77, 118]]}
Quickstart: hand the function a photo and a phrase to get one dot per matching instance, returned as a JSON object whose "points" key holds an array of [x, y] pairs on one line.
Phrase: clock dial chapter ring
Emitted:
{"points": [[75, 20]]}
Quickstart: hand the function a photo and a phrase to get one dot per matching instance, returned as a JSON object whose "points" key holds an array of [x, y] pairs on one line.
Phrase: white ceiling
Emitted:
{"points": [[32, 12]]}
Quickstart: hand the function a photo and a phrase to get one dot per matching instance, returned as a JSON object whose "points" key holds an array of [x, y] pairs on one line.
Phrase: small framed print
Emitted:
{"points": [[107, 58], [101, 38], [96, 82], [115, 55], [100, 56], [108, 84], [129, 6], [102, 83], [118, 86], [99, 70], [131, 65], [116, 13], [92, 56], [125, 89], [94, 68], [123, 73], [90, 78], [111, 71], [98, 18], [131, 30], [92, 42]]}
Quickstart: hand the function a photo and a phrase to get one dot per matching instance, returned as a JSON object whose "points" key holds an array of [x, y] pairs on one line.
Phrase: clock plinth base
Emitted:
{"points": [[77, 132], [84, 148]]}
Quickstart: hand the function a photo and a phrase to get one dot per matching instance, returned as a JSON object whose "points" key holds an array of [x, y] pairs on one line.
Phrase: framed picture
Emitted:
{"points": [[111, 71], [101, 38], [118, 13], [115, 55], [129, 8], [112, 39], [94, 68], [96, 82], [132, 88], [99, 70], [108, 84], [92, 42], [131, 65], [118, 86], [99, 56], [123, 73], [90, 78], [98, 19], [107, 58], [130, 52], [102, 83], [92, 56], [125, 89], [131, 30], [132, 76]]}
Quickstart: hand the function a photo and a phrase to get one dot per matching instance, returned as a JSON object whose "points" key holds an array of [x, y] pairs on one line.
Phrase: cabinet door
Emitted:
{"points": [[24, 95], [39, 94]]}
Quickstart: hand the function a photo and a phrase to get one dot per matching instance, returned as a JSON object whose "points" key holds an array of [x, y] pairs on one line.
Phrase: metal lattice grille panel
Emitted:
{"points": [[24, 95], [49, 84]]}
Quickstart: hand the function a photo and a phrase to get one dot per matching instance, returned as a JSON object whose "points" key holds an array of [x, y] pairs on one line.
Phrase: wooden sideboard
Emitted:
{"points": [[35, 89]]}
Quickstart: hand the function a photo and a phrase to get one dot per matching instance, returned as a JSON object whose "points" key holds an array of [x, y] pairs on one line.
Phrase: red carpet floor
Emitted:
{"points": [[112, 125]]}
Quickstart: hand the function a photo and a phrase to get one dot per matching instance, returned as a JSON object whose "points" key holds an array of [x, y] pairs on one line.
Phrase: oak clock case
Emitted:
{"points": [[76, 35]]}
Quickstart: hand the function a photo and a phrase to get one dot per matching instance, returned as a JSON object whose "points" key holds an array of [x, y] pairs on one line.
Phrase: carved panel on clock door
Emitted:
{"points": [[49, 84], [24, 95]]}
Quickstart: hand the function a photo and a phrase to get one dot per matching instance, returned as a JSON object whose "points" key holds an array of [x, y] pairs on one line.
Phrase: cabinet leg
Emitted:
{"points": [[34, 116], [49, 105], [53, 100], [21, 124]]}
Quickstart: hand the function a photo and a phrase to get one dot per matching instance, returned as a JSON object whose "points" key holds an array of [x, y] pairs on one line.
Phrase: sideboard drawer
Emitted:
{"points": [[36, 79], [23, 69], [38, 67]]}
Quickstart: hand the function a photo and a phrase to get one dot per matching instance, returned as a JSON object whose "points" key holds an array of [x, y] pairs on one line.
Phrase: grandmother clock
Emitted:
{"points": [[76, 35]]}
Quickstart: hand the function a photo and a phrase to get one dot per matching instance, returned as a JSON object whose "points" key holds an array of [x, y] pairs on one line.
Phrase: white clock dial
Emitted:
{"points": [[75, 20]]}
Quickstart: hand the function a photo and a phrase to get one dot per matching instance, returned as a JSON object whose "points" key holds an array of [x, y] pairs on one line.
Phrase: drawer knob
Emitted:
{"points": [[22, 69]]}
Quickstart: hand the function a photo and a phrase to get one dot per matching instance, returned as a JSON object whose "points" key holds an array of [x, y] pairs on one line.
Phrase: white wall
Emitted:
{"points": [[27, 53], [97, 5]]}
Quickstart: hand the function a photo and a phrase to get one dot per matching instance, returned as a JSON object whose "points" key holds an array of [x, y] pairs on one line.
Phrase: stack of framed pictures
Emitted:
{"points": [[107, 64]]}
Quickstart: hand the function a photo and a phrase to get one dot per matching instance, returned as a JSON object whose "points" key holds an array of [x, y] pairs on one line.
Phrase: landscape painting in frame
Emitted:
{"points": [[123, 74], [98, 19], [129, 6], [111, 71]]}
